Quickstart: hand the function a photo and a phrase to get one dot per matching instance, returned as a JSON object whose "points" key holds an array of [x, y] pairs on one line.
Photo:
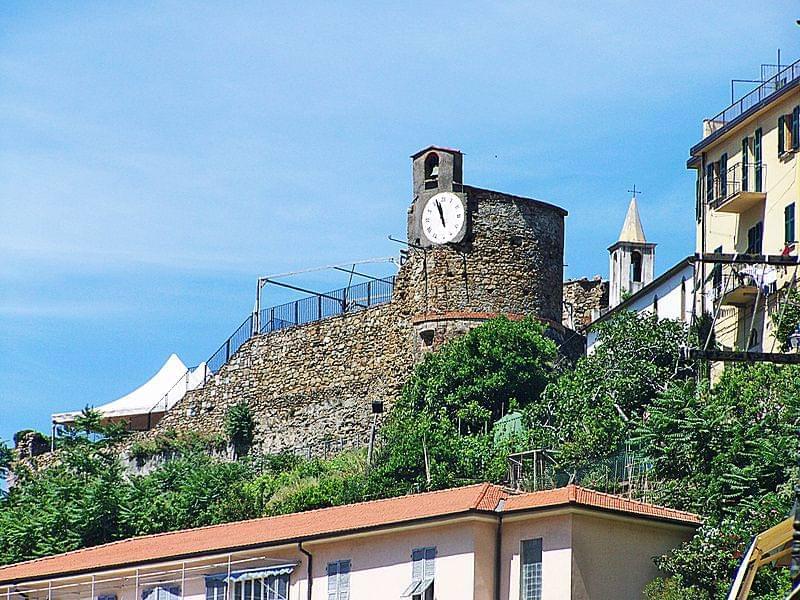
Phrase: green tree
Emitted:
{"points": [[727, 452], [587, 413], [439, 433], [240, 427], [76, 502]]}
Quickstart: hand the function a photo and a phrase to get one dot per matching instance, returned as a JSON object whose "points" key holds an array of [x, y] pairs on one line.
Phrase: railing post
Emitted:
{"points": [[369, 293], [297, 313], [319, 307], [344, 300], [272, 317], [228, 350]]}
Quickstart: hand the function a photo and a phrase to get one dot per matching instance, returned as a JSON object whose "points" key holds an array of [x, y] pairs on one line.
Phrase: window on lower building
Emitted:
{"points": [[788, 224], [339, 580], [422, 574], [216, 589], [530, 577], [162, 593], [271, 583], [107, 597], [755, 236]]}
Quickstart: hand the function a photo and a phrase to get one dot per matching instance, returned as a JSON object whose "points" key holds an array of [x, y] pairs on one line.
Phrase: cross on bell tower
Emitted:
{"points": [[632, 257]]}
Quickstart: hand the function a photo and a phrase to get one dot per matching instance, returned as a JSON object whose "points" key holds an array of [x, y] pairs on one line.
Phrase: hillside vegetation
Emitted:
{"points": [[727, 452]]}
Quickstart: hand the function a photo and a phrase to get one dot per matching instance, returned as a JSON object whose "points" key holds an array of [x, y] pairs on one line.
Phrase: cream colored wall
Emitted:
{"points": [[613, 557], [381, 564], [780, 177], [556, 534]]}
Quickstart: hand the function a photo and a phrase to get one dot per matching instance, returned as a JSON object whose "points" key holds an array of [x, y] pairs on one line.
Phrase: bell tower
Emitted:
{"points": [[631, 258], [434, 170]]}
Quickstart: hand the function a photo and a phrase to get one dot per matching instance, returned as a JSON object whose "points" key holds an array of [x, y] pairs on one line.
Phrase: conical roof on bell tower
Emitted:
{"points": [[632, 230]]}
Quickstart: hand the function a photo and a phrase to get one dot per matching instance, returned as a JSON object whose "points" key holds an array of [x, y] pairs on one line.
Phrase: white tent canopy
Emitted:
{"points": [[156, 396]]}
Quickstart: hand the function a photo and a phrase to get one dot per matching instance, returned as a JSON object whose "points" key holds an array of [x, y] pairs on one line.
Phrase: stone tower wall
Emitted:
{"points": [[512, 262]]}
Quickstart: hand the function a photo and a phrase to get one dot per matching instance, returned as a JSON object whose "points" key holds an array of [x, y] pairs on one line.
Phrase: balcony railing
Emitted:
{"points": [[739, 189], [769, 87]]}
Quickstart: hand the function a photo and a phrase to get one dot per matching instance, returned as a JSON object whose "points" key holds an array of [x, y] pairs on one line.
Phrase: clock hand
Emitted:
{"points": [[441, 212]]}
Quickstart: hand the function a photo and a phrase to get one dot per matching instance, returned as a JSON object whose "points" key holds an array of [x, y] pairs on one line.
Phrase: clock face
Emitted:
{"points": [[443, 217]]}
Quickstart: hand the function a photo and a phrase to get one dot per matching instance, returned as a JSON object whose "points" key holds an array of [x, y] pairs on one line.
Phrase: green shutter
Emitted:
{"points": [[781, 135], [757, 159], [788, 224]]}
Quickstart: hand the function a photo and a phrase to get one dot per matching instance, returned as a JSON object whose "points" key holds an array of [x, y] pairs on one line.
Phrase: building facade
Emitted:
{"points": [[477, 542], [747, 193]]}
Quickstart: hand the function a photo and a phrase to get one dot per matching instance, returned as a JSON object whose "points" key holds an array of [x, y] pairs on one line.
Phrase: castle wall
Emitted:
{"points": [[315, 383], [309, 384], [583, 301], [511, 263]]}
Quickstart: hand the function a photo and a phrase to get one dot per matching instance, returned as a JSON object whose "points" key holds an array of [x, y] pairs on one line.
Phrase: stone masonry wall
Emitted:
{"points": [[309, 384], [583, 301], [512, 262]]}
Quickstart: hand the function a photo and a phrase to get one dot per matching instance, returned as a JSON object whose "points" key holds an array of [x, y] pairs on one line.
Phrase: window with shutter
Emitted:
{"points": [[723, 175], [423, 561], [339, 580], [795, 143], [710, 182], [755, 236], [781, 134], [162, 593], [788, 224]]}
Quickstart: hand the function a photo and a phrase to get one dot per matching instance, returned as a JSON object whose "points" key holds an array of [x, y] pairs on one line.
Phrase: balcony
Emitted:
{"points": [[741, 287], [739, 189]]}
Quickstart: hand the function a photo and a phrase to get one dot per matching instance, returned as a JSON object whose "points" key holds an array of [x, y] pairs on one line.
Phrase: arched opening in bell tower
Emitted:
{"points": [[636, 267], [432, 168]]}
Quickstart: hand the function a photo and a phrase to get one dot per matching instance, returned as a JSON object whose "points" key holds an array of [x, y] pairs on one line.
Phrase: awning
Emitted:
{"points": [[417, 588], [250, 574], [159, 394]]}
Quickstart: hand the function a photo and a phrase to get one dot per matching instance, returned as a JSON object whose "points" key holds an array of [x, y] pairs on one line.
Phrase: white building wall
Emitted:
{"points": [[670, 299]]}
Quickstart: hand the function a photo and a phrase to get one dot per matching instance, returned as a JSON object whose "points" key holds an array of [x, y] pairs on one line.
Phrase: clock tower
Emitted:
{"points": [[475, 253], [435, 217]]}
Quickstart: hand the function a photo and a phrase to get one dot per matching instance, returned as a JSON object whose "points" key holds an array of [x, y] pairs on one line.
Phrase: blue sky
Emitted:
{"points": [[155, 158]]}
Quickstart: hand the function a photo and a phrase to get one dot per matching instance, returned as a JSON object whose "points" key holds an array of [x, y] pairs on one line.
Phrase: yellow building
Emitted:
{"points": [[747, 192]]}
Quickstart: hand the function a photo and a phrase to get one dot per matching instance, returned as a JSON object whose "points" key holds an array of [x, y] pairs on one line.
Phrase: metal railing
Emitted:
{"points": [[761, 93], [738, 178], [230, 346], [330, 304], [284, 316]]}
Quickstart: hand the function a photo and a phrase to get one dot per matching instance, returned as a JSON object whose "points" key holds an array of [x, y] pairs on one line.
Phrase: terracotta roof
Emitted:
{"points": [[575, 495], [325, 522]]}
